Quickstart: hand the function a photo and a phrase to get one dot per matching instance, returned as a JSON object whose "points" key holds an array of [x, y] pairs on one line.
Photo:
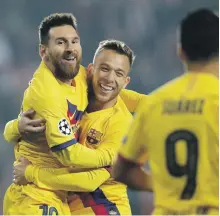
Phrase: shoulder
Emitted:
{"points": [[44, 84], [168, 86], [82, 74], [43, 90], [121, 117]]}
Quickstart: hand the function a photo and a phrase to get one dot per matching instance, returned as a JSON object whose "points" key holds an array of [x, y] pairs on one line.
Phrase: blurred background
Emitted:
{"points": [[147, 26]]}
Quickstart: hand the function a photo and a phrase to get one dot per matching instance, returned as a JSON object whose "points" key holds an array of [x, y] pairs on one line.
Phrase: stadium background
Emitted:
{"points": [[147, 26]]}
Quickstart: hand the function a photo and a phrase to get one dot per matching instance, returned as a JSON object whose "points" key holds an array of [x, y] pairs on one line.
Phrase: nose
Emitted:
{"points": [[71, 50], [111, 76], [70, 47]]}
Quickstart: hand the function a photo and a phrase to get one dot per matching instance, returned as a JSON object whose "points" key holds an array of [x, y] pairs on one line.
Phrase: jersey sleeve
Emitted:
{"points": [[59, 135], [11, 133], [132, 99], [134, 146], [65, 179], [105, 154]]}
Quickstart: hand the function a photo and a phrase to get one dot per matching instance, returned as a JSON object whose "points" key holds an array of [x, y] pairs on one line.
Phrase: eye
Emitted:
{"points": [[60, 42], [119, 74], [105, 69], [76, 40]]}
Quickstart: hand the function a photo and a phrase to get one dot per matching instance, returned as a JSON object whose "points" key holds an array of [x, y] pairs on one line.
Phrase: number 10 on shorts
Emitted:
{"points": [[48, 210]]}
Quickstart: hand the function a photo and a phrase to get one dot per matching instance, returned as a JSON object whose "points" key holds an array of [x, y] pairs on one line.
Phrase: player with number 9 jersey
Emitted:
{"points": [[177, 130]]}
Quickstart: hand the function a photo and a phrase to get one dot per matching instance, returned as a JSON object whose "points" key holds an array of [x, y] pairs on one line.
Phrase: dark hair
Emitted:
{"points": [[199, 35], [118, 46], [54, 20]]}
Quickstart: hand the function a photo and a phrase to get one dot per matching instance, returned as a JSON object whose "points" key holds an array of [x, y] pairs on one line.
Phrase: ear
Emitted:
{"points": [[181, 53], [42, 50], [90, 70], [127, 81]]}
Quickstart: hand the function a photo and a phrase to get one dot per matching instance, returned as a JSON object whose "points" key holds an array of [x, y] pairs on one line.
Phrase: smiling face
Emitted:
{"points": [[63, 53], [109, 75]]}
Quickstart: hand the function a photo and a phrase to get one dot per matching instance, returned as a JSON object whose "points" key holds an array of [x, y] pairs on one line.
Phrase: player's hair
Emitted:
{"points": [[118, 46], [55, 20], [199, 35]]}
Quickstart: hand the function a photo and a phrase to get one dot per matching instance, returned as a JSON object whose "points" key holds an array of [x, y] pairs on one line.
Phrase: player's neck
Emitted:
{"points": [[211, 67], [95, 105]]}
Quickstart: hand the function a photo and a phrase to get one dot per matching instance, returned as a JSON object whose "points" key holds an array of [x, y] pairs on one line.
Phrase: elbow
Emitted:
{"points": [[11, 133]]}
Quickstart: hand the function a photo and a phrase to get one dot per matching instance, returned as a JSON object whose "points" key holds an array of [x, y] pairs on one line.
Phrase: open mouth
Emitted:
{"points": [[106, 88], [70, 60]]}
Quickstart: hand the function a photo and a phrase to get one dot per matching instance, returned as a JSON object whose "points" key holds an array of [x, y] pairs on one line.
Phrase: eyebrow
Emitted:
{"points": [[63, 38], [117, 69]]}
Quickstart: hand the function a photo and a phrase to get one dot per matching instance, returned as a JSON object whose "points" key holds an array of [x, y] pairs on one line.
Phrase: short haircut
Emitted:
{"points": [[117, 46], [199, 35], [55, 20]]}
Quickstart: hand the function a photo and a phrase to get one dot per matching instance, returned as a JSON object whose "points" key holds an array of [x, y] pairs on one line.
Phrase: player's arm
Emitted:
{"points": [[66, 179], [62, 141], [11, 132], [60, 178], [102, 156], [132, 99], [132, 155], [25, 128], [81, 156], [55, 179]]}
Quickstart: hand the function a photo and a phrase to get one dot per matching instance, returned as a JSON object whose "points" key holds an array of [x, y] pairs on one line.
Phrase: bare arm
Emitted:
{"points": [[132, 174]]}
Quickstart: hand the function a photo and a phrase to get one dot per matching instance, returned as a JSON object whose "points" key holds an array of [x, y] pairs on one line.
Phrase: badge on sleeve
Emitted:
{"points": [[64, 127]]}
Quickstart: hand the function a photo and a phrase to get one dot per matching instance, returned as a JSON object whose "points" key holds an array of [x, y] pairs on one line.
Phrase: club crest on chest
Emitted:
{"points": [[93, 137]]}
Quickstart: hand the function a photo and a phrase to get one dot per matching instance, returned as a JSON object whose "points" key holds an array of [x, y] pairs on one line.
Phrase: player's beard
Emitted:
{"points": [[65, 71]]}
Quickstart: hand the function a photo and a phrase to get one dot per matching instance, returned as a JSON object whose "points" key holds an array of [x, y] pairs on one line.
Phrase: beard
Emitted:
{"points": [[64, 71]]}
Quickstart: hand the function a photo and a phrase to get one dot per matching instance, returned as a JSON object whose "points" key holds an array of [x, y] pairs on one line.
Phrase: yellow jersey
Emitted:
{"points": [[100, 194], [132, 99], [176, 129], [104, 129], [62, 106]]}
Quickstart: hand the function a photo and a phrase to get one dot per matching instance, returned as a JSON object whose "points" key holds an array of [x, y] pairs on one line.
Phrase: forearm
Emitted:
{"points": [[62, 179], [132, 174], [138, 179], [81, 156], [11, 133]]}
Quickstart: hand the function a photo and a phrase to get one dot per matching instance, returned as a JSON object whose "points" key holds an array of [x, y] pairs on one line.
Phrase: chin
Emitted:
{"points": [[102, 99], [70, 74]]}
